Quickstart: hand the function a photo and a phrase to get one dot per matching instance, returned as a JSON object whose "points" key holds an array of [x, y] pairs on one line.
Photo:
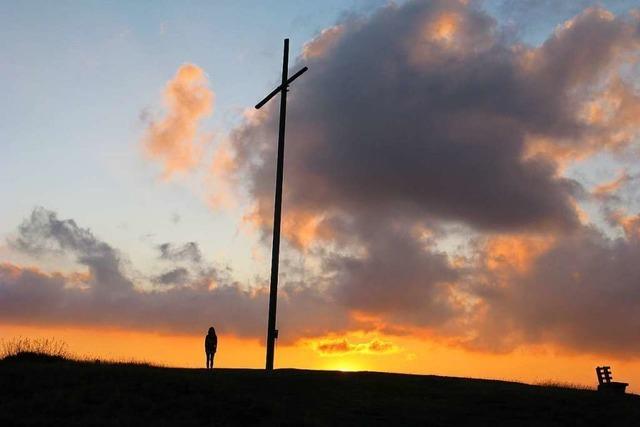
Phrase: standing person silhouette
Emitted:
{"points": [[210, 346]]}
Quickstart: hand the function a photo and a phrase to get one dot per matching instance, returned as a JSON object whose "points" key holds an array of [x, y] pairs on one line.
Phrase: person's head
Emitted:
{"points": [[212, 331]]}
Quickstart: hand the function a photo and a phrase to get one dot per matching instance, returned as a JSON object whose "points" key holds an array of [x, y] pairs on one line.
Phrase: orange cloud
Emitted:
{"points": [[515, 253], [323, 42], [611, 117], [221, 177], [445, 27], [629, 223], [11, 271], [174, 140], [614, 112], [342, 346], [74, 280], [301, 227], [441, 31], [607, 188]]}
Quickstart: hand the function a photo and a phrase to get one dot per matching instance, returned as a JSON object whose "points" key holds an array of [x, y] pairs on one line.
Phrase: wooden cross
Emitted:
{"points": [[272, 332]]}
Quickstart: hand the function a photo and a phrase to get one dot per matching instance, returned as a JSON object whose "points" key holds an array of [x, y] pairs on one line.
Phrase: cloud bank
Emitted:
{"points": [[197, 295]]}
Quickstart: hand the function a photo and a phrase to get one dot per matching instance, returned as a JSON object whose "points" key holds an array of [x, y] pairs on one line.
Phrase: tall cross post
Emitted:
{"points": [[272, 332]]}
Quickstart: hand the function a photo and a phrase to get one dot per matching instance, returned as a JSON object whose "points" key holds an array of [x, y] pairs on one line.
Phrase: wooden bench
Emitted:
{"points": [[604, 381]]}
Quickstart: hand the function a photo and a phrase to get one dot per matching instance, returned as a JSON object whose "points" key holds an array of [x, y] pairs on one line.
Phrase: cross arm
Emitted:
{"points": [[279, 88]]}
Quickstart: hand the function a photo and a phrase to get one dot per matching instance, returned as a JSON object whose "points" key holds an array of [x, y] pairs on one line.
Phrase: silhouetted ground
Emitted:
{"points": [[46, 390]]}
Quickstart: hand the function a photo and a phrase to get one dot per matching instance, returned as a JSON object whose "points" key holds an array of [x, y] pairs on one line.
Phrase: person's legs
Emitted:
{"points": [[212, 356], [208, 359]]}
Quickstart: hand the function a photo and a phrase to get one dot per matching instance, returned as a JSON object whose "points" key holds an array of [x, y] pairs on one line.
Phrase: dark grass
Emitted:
{"points": [[51, 391]]}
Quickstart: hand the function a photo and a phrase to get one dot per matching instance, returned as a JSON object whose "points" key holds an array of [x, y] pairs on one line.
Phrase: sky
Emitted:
{"points": [[460, 183]]}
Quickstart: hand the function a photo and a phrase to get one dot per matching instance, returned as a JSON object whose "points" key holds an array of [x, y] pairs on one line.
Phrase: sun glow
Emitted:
{"points": [[344, 366], [445, 27]]}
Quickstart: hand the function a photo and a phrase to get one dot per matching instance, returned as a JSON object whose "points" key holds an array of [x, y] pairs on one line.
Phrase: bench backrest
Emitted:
{"points": [[604, 374]]}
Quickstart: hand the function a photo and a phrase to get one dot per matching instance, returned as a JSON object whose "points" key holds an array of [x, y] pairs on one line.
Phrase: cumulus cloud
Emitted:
{"points": [[427, 107], [393, 116], [427, 116], [175, 140]]}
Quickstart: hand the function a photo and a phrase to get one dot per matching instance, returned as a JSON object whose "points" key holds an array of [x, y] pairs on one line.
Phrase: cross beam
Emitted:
{"points": [[279, 88], [272, 332]]}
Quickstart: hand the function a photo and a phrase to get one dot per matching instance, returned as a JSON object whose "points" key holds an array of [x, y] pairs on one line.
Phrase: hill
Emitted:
{"points": [[38, 391]]}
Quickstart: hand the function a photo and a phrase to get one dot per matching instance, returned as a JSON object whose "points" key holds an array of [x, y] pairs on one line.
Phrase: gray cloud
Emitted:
{"points": [[176, 276], [107, 297], [43, 232], [583, 293], [187, 252], [399, 278]]}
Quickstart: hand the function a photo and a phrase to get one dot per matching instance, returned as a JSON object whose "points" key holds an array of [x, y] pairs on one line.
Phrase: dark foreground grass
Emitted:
{"points": [[50, 391]]}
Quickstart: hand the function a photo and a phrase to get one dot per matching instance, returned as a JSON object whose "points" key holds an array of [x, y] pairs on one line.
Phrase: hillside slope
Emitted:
{"points": [[82, 393]]}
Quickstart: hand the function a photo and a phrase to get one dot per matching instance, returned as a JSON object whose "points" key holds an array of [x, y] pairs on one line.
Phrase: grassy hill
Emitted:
{"points": [[53, 390]]}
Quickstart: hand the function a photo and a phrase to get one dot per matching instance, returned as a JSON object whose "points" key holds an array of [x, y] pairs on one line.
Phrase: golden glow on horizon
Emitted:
{"points": [[345, 366], [533, 364]]}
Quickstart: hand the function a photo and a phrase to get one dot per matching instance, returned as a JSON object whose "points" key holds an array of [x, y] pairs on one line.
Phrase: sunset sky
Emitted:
{"points": [[461, 183]]}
